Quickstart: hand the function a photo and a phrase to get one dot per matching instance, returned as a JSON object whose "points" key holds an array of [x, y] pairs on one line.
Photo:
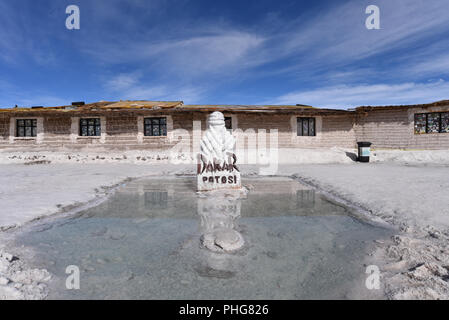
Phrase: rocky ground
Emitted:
{"points": [[411, 195], [417, 265], [17, 282]]}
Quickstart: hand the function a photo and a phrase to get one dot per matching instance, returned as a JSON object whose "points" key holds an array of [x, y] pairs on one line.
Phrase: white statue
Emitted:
{"points": [[217, 167], [217, 143]]}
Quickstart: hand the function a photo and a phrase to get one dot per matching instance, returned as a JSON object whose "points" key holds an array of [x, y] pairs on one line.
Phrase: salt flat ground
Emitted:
{"points": [[399, 193], [413, 194], [28, 192]]}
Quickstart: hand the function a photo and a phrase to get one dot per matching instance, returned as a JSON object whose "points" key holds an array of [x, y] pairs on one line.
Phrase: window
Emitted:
{"points": [[420, 123], [306, 127], [435, 122], [90, 127], [155, 127], [26, 127], [228, 123], [445, 122]]}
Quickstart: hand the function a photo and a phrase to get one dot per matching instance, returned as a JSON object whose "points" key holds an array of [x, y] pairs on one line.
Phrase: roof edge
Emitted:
{"points": [[423, 105]]}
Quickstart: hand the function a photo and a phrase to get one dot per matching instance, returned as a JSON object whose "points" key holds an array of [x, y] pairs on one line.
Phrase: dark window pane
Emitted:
{"points": [[299, 127], [34, 123], [98, 129], [33, 132], [21, 131], [155, 121], [312, 126], [90, 131], [433, 122], [84, 131], [83, 122], [305, 127], [228, 123], [163, 126], [28, 131], [445, 122], [20, 123], [420, 123], [156, 130], [28, 123]]}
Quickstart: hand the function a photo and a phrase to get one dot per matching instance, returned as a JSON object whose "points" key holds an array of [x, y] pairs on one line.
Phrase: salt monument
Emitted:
{"points": [[219, 188], [217, 167]]}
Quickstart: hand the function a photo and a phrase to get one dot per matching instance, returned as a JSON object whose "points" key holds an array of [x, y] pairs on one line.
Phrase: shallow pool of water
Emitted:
{"points": [[144, 243]]}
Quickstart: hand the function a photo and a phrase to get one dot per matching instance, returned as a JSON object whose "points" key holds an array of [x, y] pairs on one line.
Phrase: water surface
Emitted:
{"points": [[144, 243]]}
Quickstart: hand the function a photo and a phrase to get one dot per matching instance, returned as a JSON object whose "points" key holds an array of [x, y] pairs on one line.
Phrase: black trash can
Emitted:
{"points": [[364, 151]]}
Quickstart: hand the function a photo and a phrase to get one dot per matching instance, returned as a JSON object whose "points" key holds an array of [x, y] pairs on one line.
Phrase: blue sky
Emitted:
{"points": [[224, 52]]}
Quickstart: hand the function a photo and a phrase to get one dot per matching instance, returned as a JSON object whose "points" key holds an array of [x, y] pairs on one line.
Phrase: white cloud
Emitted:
{"points": [[122, 81], [438, 64], [206, 54], [338, 31], [132, 87], [345, 96], [222, 52]]}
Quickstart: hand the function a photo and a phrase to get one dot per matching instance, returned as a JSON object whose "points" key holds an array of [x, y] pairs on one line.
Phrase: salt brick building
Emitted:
{"points": [[142, 125]]}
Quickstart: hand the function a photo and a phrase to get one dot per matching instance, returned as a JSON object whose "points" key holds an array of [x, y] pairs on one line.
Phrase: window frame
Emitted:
{"points": [[300, 126], [150, 131], [24, 126], [96, 126], [426, 115]]}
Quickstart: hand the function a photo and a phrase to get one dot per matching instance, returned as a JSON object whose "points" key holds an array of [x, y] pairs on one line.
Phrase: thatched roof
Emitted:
{"points": [[179, 106], [425, 105], [175, 106]]}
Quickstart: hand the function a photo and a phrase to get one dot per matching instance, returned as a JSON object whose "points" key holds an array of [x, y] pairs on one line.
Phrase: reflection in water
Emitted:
{"points": [[219, 211], [156, 199], [305, 199], [145, 242]]}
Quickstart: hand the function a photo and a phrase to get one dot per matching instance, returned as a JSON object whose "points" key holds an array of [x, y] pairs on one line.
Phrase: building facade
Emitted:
{"points": [[141, 125]]}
